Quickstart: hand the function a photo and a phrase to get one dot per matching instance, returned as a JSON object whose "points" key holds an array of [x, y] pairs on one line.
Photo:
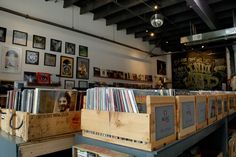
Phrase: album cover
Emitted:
{"points": [[54, 100]]}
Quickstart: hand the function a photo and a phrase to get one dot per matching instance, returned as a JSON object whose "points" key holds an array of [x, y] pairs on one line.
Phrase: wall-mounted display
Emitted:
{"points": [[199, 70], [66, 66], [10, 59], [3, 33], [96, 71], [32, 57], [39, 42], [83, 51], [69, 84], [69, 48], [43, 78], [30, 77], [161, 68], [50, 59], [55, 45], [83, 84], [82, 69], [19, 38]]}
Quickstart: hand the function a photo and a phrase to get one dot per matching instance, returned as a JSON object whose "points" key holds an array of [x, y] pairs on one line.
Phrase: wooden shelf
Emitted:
{"points": [[43, 85], [124, 79]]}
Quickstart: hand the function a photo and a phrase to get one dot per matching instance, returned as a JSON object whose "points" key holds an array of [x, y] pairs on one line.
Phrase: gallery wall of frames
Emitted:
{"points": [[43, 48]]}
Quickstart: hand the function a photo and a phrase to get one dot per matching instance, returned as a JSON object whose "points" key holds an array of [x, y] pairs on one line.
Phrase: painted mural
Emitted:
{"points": [[199, 70]]}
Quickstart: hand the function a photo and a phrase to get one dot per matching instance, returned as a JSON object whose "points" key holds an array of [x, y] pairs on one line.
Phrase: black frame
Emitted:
{"points": [[87, 84], [82, 49], [53, 41], [13, 38], [43, 42], [51, 55], [79, 59], [67, 44], [3, 37], [72, 67], [69, 81], [26, 57]]}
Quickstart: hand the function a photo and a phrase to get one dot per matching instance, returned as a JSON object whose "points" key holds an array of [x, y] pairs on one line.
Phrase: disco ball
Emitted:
{"points": [[157, 20]]}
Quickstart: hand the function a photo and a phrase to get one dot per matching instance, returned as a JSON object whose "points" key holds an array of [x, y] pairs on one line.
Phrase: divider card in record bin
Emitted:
{"points": [[186, 115], [231, 100], [211, 109], [225, 105], [201, 110], [163, 119], [219, 106]]}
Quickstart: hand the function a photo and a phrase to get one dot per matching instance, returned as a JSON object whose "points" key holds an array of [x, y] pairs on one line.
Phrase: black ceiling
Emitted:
{"points": [[180, 15]]}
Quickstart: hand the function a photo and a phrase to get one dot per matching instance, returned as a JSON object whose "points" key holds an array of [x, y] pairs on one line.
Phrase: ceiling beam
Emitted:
{"points": [[94, 5], [204, 12], [68, 3]]}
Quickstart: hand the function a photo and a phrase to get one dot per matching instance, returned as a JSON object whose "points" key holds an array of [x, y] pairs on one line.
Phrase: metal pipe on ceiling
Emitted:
{"points": [[68, 28]]}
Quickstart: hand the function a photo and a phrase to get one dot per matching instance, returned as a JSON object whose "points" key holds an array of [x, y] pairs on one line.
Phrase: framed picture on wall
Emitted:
{"points": [[3, 33], [39, 42], [32, 57], [50, 59], [69, 48], [55, 45], [11, 58], [19, 38], [69, 84], [161, 67], [83, 51], [82, 68], [83, 84], [66, 66], [30, 77]]}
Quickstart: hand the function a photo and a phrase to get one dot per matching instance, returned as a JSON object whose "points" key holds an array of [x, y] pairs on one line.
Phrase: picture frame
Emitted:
{"points": [[83, 51], [69, 84], [82, 68], [83, 84], [66, 66], [30, 77], [3, 33], [11, 59], [19, 38], [69, 48], [55, 45], [43, 78], [39, 42], [32, 57], [161, 67], [50, 59]]}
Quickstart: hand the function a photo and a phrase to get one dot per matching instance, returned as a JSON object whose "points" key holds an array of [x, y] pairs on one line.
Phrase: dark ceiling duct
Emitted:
{"points": [[219, 35]]}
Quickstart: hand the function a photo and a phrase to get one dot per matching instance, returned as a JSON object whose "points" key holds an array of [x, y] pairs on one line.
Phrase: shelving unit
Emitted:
{"points": [[219, 128], [124, 79]]}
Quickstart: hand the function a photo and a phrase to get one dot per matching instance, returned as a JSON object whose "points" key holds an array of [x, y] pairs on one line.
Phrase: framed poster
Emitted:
{"points": [[39, 42], [50, 59], [43, 78], [66, 66], [83, 51], [69, 84], [30, 77], [55, 45], [69, 48], [82, 68], [161, 68], [10, 59], [19, 38], [3, 33], [83, 84], [32, 57]]}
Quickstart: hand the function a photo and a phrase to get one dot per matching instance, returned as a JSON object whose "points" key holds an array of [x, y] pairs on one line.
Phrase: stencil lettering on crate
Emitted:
{"points": [[165, 125]]}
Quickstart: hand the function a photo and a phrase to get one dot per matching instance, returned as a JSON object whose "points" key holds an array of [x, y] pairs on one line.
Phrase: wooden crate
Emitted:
{"points": [[201, 111], [36, 126], [146, 131], [231, 101], [211, 109], [219, 106], [186, 115], [87, 150]]}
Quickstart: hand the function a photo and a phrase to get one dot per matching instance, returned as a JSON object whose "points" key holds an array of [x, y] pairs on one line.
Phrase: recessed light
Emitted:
{"points": [[146, 30], [155, 7], [167, 42], [203, 46], [152, 34]]}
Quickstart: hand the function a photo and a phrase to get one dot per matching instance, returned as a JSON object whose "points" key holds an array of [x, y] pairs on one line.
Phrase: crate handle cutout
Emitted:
{"points": [[10, 123]]}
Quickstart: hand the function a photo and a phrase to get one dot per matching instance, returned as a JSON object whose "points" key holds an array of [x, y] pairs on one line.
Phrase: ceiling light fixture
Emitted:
{"points": [[157, 20], [152, 34]]}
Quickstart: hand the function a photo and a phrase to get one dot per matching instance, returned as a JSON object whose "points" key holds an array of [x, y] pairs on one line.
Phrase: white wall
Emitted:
{"points": [[101, 53]]}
